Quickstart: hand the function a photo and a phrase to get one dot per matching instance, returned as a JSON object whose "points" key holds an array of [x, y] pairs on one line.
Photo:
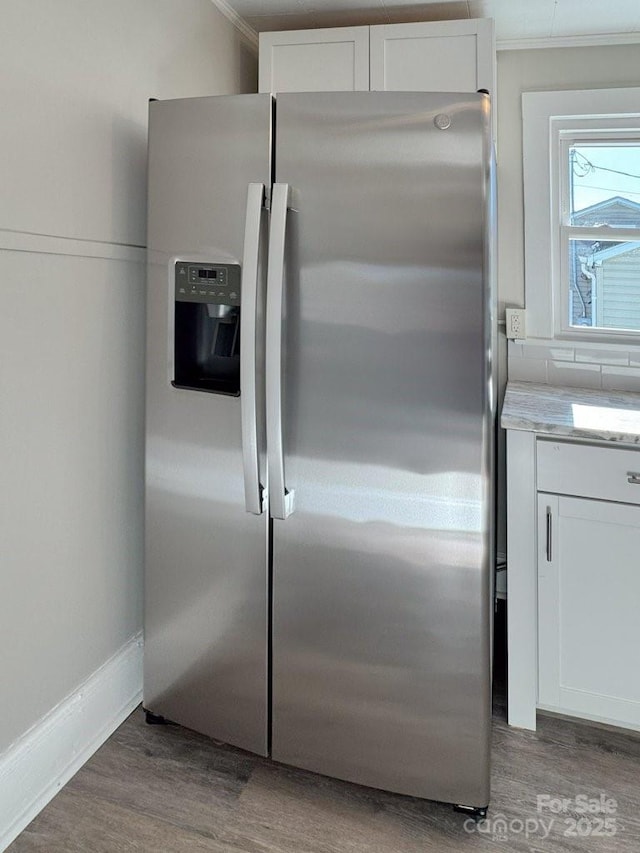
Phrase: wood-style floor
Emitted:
{"points": [[166, 789]]}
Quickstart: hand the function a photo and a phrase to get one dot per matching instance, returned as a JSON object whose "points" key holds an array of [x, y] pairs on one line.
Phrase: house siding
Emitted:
{"points": [[618, 291]]}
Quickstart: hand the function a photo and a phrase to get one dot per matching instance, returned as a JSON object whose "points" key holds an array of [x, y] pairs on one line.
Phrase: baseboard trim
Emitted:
{"points": [[39, 763]]}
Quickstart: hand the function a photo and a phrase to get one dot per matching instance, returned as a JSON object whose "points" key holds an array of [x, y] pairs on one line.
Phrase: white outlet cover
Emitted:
{"points": [[515, 323]]}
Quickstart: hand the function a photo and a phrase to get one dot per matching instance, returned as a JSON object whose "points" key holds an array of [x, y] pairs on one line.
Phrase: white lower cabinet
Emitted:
{"points": [[573, 554], [588, 603]]}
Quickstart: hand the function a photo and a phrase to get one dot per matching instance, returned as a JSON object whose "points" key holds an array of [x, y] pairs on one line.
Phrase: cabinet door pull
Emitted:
{"points": [[549, 552], [633, 477]]}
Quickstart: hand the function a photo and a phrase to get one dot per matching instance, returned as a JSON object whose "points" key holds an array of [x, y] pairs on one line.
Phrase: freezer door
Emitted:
{"points": [[206, 584], [381, 612]]}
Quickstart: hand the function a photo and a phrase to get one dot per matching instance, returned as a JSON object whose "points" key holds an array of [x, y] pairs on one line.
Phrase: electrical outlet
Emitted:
{"points": [[515, 323]]}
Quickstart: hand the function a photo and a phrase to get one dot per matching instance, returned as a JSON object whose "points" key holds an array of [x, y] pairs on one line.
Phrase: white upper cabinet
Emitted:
{"points": [[327, 60], [445, 56]]}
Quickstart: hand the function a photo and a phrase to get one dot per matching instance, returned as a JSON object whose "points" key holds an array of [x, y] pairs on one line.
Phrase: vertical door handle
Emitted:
{"points": [[549, 535], [253, 492], [280, 499]]}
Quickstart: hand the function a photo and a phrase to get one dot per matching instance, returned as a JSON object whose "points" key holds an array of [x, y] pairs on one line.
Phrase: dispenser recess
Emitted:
{"points": [[207, 327]]}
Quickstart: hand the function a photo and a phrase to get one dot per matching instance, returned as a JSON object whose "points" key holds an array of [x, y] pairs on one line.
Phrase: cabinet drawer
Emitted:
{"points": [[611, 474]]}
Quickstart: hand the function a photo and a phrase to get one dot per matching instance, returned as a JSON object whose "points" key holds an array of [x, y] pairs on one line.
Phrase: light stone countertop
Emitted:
{"points": [[572, 412]]}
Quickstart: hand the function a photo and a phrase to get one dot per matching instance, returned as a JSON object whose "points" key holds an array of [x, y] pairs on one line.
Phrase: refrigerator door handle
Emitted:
{"points": [[280, 499], [253, 491]]}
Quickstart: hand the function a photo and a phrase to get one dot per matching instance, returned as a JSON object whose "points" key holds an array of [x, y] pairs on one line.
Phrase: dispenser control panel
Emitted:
{"points": [[214, 284]]}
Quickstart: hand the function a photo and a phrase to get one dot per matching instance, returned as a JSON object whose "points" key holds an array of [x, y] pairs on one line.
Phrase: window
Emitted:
{"points": [[600, 229], [582, 213]]}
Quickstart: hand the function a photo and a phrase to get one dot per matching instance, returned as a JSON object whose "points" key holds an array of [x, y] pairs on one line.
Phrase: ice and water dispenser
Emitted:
{"points": [[207, 327]]}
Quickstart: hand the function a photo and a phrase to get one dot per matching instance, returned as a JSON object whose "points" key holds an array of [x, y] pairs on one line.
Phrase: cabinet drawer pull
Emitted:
{"points": [[633, 477], [549, 552]]}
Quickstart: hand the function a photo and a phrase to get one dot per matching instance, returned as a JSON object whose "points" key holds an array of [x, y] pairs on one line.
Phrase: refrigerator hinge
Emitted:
{"points": [[267, 198]]}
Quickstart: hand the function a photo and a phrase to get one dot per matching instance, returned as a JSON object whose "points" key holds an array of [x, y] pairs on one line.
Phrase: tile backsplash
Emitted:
{"points": [[578, 365]]}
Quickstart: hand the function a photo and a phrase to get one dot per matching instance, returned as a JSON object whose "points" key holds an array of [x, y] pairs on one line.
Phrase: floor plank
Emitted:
{"points": [[73, 823]]}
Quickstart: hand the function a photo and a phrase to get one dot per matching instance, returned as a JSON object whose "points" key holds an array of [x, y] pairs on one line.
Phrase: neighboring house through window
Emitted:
{"points": [[604, 274]]}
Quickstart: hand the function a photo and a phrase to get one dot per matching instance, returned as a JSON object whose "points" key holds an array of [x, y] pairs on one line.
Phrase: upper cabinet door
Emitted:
{"points": [[446, 56], [327, 60]]}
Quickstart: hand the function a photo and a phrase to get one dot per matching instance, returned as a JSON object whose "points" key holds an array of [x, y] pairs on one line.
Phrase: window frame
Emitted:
{"points": [[551, 121]]}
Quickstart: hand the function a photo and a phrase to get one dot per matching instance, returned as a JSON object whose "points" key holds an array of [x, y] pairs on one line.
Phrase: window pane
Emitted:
{"points": [[604, 284], [604, 185]]}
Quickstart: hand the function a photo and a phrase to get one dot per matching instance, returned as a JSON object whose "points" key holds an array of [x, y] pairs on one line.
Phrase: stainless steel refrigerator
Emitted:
{"points": [[319, 502]]}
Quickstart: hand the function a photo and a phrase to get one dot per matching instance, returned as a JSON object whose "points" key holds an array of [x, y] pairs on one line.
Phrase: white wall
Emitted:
{"points": [[527, 71], [75, 79], [540, 70]]}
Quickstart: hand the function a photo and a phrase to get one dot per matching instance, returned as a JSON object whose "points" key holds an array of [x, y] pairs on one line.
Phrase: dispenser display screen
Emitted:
{"points": [[212, 283], [207, 274]]}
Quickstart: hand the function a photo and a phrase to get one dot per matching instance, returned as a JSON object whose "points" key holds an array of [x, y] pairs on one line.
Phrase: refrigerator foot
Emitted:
{"points": [[154, 719], [475, 812]]}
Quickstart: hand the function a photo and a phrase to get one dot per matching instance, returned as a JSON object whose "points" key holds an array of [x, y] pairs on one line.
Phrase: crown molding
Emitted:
{"points": [[568, 41], [605, 39], [249, 34]]}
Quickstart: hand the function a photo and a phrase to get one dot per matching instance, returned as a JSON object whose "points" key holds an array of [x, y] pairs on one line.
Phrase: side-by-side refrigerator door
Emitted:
{"points": [[207, 576], [379, 436]]}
